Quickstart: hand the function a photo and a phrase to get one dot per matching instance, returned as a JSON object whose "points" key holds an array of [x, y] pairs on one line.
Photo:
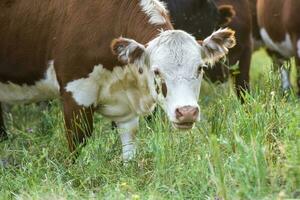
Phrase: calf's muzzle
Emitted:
{"points": [[187, 114]]}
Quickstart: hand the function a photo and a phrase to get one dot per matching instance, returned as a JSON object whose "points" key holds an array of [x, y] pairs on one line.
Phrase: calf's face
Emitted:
{"points": [[175, 62]]}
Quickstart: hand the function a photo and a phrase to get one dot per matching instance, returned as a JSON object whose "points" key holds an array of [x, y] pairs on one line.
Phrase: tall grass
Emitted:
{"points": [[249, 151]]}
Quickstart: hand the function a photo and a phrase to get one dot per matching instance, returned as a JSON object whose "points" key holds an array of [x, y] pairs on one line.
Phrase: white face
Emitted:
{"points": [[175, 59]]}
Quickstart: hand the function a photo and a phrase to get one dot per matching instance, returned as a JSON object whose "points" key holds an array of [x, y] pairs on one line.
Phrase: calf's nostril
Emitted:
{"points": [[178, 113], [195, 112]]}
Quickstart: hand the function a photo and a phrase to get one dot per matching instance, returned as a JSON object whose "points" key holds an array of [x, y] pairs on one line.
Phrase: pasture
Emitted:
{"points": [[249, 151]]}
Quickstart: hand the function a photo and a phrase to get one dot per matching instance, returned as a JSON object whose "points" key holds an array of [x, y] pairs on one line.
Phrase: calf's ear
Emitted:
{"points": [[216, 46], [127, 50]]}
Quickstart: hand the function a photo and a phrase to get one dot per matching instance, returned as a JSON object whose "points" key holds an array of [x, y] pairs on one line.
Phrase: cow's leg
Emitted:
{"points": [[242, 79], [78, 122], [3, 134], [127, 131], [284, 70]]}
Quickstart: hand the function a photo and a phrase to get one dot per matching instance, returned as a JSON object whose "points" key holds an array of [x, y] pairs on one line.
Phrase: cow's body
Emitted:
{"points": [[279, 26], [74, 51]]}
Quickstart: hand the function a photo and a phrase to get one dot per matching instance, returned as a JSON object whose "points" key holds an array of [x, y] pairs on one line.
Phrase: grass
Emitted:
{"points": [[249, 151]]}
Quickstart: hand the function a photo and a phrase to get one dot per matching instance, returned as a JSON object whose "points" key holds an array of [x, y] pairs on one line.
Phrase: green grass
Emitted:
{"points": [[249, 151]]}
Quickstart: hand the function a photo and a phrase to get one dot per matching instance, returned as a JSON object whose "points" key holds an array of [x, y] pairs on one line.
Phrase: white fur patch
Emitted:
{"points": [[122, 94], [285, 48], [155, 10], [45, 89], [298, 47], [85, 91]]}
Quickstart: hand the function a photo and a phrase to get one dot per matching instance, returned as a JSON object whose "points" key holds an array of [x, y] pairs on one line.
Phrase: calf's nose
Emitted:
{"points": [[187, 114]]}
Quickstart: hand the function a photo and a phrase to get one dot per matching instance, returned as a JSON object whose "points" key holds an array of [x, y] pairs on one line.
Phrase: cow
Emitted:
{"points": [[240, 55], [116, 57], [277, 24]]}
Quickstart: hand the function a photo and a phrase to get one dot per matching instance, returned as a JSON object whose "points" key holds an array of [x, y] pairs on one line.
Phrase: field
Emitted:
{"points": [[249, 151]]}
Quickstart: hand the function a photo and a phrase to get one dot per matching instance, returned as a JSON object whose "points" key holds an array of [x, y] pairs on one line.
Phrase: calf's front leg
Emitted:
{"points": [[127, 131], [78, 122]]}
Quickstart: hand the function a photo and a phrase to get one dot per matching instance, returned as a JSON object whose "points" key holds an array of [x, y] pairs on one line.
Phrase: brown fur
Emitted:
{"points": [[271, 17], [77, 35], [255, 27]]}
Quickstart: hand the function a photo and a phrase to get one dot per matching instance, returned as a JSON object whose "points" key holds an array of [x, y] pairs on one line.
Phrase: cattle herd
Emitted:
{"points": [[122, 57]]}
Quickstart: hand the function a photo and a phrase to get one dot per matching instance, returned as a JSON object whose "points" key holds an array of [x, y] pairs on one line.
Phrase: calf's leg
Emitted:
{"points": [[3, 134], [127, 131], [78, 122]]}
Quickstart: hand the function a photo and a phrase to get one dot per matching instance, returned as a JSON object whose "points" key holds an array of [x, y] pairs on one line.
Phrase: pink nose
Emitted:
{"points": [[187, 114]]}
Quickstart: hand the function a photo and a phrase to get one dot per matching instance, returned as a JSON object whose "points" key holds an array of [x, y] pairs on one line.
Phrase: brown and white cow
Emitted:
{"points": [[116, 56], [278, 25]]}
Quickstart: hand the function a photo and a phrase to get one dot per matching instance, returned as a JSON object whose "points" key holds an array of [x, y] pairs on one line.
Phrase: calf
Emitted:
{"points": [[278, 25], [74, 51]]}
